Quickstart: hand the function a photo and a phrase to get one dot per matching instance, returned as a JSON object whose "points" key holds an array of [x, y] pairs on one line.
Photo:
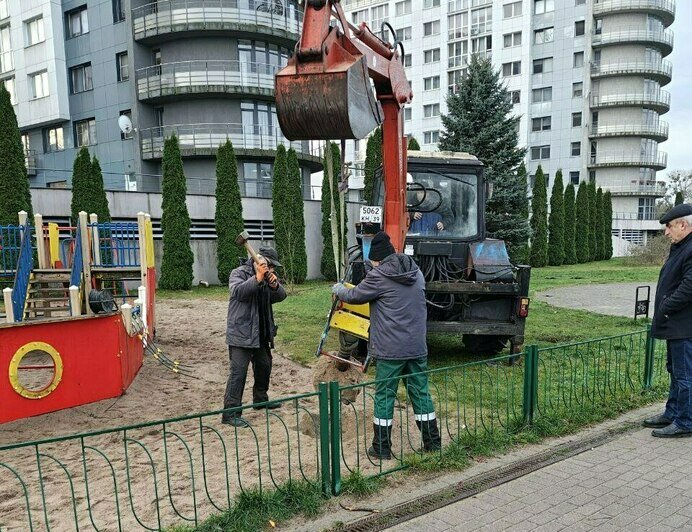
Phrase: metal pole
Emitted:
{"points": [[9, 308], [324, 437], [335, 432], [649, 359]]}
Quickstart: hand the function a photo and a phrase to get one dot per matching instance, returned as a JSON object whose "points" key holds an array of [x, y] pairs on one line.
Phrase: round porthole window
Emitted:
{"points": [[35, 370]]}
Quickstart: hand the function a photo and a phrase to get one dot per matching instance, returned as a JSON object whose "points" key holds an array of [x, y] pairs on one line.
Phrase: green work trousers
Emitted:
{"points": [[388, 374]]}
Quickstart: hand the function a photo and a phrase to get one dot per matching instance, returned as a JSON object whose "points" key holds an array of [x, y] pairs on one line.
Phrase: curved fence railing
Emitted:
{"points": [[157, 474], [10, 244], [662, 68]]}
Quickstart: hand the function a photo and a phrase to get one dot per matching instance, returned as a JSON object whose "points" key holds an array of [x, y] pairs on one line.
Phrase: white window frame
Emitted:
{"points": [[511, 10], [578, 61], [431, 28], [431, 56], [575, 149], [34, 32], [431, 110], [543, 6], [541, 123], [512, 68], [542, 153], [54, 139], [78, 15], [544, 35], [578, 86], [404, 7], [39, 84], [81, 78], [542, 91], [123, 71], [433, 81], [431, 137], [11, 88], [545, 65], [85, 130], [513, 38], [429, 4]]}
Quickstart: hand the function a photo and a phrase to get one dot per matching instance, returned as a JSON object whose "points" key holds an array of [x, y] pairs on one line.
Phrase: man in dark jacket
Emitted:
{"points": [[250, 330], [673, 322], [395, 289]]}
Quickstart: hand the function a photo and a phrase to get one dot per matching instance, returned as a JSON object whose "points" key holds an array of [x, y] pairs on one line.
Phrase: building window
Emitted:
{"points": [[4, 10], [257, 180], [359, 16], [8, 83], [544, 35], [6, 63], [431, 28], [402, 8], [575, 149], [128, 114], [85, 132], [540, 152], [511, 10], [458, 26], [379, 15], [123, 66], [542, 95], [592, 176], [33, 31], [543, 6], [431, 110], [454, 79], [578, 59], [598, 27], [481, 20], [576, 119], [542, 123], [407, 113], [457, 54], [515, 97], [431, 137], [579, 28], [647, 209], [408, 60], [574, 177], [542, 66], [80, 77], [39, 84], [431, 56], [579, 2], [77, 22], [577, 89], [427, 4], [118, 11], [404, 34], [53, 139], [511, 69], [512, 39], [431, 83]]}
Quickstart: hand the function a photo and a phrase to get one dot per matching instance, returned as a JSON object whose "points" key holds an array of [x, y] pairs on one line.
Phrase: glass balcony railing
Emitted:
{"points": [[635, 35], [659, 99], [662, 69], [658, 160], [663, 8], [204, 76], [658, 131]]}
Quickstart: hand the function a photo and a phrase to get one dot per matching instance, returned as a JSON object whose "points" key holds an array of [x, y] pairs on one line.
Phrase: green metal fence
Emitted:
{"points": [[156, 474]]}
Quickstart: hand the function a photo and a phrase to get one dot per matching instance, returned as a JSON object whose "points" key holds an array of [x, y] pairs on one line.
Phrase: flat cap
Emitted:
{"points": [[271, 255], [684, 209]]}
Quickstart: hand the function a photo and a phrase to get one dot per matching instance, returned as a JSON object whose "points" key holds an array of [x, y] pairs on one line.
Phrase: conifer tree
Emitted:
{"points": [[327, 266], [539, 221], [228, 218], [593, 221], [481, 121], [99, 200], [413, 144], [14, 182], [570, 225], [600, 226], [176, 265], [81, 185], [583, 223], [679, 198], [608, 225], [556, 223], [295, 260], [373, 160]]}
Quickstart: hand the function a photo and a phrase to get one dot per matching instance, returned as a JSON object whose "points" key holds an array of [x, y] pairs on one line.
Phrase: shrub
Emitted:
{"points": [[228, 218]]}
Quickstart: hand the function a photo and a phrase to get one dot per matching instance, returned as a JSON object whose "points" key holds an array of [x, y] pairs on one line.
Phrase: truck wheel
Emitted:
{"points": [[480, 344]]}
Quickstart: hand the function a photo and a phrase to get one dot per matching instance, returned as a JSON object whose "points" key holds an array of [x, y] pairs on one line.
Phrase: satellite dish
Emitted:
{"points": [[125, 124]]}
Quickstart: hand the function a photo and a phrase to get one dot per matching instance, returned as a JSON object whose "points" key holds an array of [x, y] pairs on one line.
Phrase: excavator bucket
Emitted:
{"points": [[327, 101]]}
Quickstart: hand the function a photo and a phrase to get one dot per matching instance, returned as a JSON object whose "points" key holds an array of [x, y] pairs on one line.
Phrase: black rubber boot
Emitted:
{"points": [[430, 434], [381, 443]]}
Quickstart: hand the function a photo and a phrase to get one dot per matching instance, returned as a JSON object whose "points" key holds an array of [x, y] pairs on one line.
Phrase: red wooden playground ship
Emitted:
{"points": [[74, 329]]}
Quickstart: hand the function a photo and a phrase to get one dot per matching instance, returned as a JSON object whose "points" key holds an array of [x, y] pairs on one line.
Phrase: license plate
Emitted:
{"points": [[370, 214]]}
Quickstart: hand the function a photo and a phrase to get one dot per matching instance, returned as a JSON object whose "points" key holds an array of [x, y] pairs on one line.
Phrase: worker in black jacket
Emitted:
{"points": [[250, 330], [673, 322]]}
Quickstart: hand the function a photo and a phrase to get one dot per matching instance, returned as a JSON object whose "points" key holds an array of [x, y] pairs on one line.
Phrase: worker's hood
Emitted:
{"points": [[399, 268]]}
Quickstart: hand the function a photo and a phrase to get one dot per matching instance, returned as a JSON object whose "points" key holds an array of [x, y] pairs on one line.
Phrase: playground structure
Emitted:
{"points": [[75, 328]]}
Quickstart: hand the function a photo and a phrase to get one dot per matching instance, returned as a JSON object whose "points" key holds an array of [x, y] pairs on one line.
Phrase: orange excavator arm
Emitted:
{"points": [[324, 93]]}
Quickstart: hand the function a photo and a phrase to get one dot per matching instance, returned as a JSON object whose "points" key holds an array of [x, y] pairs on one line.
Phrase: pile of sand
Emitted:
{"points": [[328, 369]]}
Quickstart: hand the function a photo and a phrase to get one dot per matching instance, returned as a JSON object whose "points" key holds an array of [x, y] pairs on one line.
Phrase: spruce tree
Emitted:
{"points": [[373, 160], [413, 144], [679, 198], [99, 200], [81, 185], [228, 218], [583, 223], [539, 221], [327, 266], [570, 226], [296, 261], [607, 225], [176, 265], [14, 182], [593, 222], [600, 229], [482, 122], [556, 223]]}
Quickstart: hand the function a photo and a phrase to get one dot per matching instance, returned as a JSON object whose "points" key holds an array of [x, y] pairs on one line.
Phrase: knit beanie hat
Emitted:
{"points": [[380, 247]]}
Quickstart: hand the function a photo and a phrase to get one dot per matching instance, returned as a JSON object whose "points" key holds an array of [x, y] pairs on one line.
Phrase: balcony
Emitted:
{"points": [[30, 161], [661, 71], [664, 39], [659, 101], [657, 132], [629, 159], [205, 77], [644, 214], [665, 9], [636, 188], [158, 20], [202, 140]]}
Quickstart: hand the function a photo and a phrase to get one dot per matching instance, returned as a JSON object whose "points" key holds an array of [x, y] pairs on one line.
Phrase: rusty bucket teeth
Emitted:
{"points": [[326, 104]]}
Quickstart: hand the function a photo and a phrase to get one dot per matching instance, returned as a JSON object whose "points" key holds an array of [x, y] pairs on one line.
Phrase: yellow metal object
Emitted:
{"points": [[350, 323], [53, 243], [17, 359], [149, 239]]}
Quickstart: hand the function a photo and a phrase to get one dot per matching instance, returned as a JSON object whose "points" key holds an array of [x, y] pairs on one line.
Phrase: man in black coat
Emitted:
{"points": [[673, 322], [250, 331]]}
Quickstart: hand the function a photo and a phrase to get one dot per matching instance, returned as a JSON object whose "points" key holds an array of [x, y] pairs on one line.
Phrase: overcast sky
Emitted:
{"points": [[679, 144]]}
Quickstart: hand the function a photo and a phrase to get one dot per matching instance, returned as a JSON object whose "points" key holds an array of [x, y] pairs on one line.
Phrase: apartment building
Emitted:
{"points": [[586, 76]]}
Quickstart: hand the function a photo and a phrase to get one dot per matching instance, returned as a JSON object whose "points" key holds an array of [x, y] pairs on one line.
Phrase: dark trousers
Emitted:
{"points": [[679, 365], [240, 359]]}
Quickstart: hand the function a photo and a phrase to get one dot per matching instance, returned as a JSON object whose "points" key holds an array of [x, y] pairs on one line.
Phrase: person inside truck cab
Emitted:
{"points": [[430, 212]]}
